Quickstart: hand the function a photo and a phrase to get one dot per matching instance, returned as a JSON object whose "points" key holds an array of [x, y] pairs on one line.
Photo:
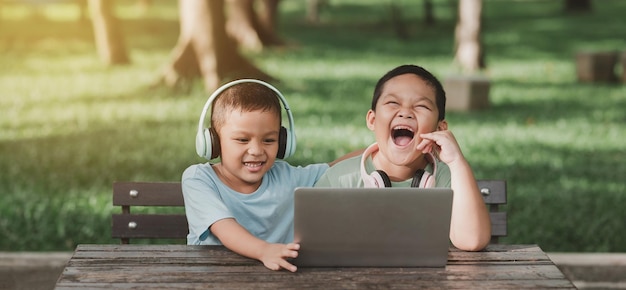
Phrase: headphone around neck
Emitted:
{"points": [[207, 140], [379, 178]]}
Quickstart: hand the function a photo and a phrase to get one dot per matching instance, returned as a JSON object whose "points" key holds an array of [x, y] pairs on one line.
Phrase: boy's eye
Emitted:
{"points": [[242, 140], [423, 106], [392, 104], [270, 140]]}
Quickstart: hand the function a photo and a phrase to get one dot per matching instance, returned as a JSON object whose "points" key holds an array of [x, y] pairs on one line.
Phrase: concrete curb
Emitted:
{"points": [[593, 270], [31, 270]]}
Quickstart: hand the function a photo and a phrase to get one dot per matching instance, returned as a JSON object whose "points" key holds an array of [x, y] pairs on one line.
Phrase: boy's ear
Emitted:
{"points": [[442, 125], [369, 119]]}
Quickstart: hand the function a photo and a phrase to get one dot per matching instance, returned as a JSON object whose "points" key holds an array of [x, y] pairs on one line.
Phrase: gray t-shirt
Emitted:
{"points": [[347, 173]]}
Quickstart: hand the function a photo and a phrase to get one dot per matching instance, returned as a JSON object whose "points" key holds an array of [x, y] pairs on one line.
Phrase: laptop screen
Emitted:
{"points": [[378, 227]]}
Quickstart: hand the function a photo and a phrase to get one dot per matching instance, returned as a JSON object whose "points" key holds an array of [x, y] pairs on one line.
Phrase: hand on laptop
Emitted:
{"points": [[275, 256], [236, 238]]}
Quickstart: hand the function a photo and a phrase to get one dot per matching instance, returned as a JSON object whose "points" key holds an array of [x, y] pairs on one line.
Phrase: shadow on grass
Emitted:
{"points": [[58, 189], [558, 193], [596, 103]]}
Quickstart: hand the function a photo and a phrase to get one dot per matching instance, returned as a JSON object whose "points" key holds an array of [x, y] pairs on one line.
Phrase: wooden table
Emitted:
{"points": [[188, 267]]}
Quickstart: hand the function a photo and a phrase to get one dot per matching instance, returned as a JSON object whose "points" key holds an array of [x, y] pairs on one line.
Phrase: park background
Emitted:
{"points": [[71, 126]]}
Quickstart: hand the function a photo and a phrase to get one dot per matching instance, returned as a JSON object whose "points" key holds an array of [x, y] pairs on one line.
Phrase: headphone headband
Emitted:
{"points": [[369, 182], [202, 146], [379, 178]]}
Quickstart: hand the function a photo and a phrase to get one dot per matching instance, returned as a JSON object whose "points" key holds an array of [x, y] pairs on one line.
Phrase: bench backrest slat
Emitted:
{"points": [[494, 195], [173, 226], [150, 226], [148, 194]]}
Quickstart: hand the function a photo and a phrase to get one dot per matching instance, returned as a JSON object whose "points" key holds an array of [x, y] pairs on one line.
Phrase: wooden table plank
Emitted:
{"points": [[155, 273], [492, 254], [257, 273]]}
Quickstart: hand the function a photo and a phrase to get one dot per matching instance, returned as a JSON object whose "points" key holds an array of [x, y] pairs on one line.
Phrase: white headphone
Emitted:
{"points": [[207, 140], [379, 178]]}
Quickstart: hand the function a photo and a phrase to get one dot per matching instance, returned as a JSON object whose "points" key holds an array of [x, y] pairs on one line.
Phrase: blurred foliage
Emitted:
{"points": [[69, 127]]}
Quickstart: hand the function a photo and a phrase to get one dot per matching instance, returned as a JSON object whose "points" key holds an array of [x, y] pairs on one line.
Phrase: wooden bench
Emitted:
{"points": [[128, 225], [596, 66], [494, 195], [467, 93]]}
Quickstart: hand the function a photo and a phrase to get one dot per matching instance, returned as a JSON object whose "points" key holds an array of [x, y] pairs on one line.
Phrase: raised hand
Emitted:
{"points": [[442, 144]]}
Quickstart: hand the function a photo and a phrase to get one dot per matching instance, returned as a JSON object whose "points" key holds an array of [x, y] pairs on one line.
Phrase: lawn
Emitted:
{"points": [[70, 127]]}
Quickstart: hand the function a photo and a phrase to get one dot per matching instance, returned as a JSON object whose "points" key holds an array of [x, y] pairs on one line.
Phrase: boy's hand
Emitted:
{"points": [[275, 255], [239, 240], [443, 144]]}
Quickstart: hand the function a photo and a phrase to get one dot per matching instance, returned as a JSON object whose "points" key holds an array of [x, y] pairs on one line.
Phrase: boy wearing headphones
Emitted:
{"points": [[414, 148], [245, 202]]}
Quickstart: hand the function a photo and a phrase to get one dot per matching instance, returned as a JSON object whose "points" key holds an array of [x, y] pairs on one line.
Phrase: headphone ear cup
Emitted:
{"points": [[282, 143], [213, 140], [290, 142], [201, 143], [381, 179], [207, 144]]}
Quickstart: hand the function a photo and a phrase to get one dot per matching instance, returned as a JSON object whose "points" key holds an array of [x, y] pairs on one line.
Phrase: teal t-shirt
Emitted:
{"points": [[266, 213], [347, 173]]}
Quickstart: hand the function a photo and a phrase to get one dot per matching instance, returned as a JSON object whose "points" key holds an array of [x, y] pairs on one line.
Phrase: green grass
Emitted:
{"points": [[69, 127]]}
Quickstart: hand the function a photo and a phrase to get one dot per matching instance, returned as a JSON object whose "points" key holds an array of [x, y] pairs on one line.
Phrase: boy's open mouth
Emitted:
{"points": [[402, 135]]}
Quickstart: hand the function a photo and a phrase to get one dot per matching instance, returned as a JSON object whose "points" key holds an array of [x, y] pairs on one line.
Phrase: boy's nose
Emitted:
{"points": [[255, 148], [404, 113]]}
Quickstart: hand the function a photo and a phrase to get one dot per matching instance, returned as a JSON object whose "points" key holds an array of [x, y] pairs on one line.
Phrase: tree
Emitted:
{"points": [[204, 49], [399, 24], [429, 15], [577, 5], [469, 52], [313, 11], [253, 28], [109, 40]]}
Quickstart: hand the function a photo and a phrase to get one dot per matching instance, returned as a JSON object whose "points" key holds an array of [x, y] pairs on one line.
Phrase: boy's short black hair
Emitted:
{"points": [[440, 94], [246, 97]]}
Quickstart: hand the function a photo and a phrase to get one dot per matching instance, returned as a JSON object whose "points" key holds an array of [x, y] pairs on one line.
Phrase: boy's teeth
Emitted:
{"points": [[403, 127]]}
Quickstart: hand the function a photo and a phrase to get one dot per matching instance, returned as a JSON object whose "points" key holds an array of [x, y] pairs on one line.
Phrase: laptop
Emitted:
{"points": [[372, 227]]}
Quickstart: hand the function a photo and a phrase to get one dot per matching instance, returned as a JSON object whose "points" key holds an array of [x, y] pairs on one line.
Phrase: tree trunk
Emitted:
{"points": [[109, 40], [204, 49], [268, 20], [398, 24], [313, 11], [144, 6], [469, 51], [251, 29], [577, 5], [83, 16], [429, 15]]}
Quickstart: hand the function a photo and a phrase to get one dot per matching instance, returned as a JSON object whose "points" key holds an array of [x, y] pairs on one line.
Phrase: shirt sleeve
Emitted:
{"points": [[203, 205], [323, 181], [443, 177], [346, 173], [310, 174]]}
